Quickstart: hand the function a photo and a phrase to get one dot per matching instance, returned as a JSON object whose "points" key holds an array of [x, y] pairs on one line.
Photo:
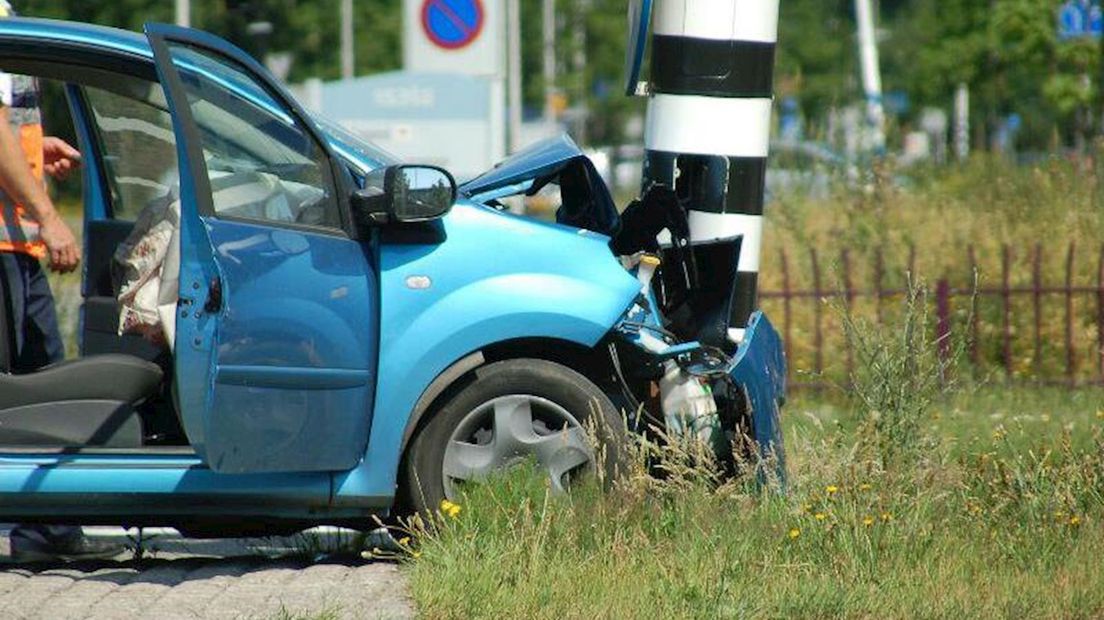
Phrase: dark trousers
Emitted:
{"points": [[32, 340], [30, 321]]}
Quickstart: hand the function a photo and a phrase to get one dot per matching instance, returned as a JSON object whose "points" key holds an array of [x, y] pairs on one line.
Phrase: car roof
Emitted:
{"points": [[104, 38]]}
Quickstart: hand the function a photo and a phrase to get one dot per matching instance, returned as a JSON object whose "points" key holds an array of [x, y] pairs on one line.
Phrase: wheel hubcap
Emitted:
{"points": [[505, 431]]}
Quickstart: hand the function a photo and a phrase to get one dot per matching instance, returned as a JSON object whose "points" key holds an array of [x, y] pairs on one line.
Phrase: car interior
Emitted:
{"points": [[118, 394]]}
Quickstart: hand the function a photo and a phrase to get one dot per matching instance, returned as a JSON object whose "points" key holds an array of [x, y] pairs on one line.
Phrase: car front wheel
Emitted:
{"points": [[513, 411]]}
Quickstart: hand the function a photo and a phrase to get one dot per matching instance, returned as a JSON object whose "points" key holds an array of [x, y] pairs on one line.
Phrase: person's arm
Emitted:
{"points": [[20, 184]]}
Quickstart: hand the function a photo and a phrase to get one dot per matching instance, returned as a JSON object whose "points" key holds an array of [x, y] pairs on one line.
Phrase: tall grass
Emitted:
{"points": [[909, 501], [985, 203]]}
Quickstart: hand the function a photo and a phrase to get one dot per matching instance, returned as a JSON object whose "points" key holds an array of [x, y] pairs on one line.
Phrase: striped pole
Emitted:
{"points": [[708, 126]]}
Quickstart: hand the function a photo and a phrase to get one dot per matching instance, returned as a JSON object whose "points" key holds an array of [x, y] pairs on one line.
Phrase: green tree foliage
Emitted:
{"points": [[816, 55], [1007, 51], [309, 30]]}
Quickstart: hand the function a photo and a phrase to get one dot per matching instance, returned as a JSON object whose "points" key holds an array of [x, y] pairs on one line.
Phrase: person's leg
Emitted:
{"points": [[38, 343], [12, 298]]}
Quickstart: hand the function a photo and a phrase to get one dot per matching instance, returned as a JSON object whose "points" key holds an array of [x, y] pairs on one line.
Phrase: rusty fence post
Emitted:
{"points": [[972, 346], [943, 325], [1071, 353], [879, 278], [1006, 298], [818, 317], [848, 300], [787, 310], [1100, 314], [1037, 305]]}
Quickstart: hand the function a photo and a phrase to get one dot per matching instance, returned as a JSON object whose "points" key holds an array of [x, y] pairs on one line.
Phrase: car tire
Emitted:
{"points": [[511, 411]]}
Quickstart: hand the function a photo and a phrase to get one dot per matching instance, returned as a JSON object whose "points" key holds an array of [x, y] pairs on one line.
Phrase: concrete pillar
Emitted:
{"points": [[708, 128]]}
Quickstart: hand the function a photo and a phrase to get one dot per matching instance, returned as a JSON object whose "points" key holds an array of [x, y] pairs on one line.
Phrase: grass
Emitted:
{"points": [[1000, 517], [914, 495]]}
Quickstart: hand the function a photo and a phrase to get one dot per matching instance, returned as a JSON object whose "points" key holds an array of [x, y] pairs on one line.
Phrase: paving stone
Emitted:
{"points": [[178, 585]]}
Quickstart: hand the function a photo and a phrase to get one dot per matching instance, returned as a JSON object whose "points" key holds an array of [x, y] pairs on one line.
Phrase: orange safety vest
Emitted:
{"points": [[18, 232]]}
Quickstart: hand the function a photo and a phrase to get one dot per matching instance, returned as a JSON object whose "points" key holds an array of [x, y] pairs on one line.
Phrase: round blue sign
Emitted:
{"points": [[452, 24]]}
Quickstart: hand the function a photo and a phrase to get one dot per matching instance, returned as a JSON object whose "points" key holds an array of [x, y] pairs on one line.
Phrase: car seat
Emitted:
{"points": [[76, 403]]}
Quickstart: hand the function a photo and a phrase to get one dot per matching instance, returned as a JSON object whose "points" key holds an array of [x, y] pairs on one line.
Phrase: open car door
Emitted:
{"points": [[276, 324]]}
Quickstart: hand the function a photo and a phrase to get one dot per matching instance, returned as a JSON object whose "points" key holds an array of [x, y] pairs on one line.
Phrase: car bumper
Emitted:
{"points": [[759, 367]]}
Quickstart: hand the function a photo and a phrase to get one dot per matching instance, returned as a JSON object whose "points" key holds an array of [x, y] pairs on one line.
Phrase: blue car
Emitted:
{"points": [[344, 335]]}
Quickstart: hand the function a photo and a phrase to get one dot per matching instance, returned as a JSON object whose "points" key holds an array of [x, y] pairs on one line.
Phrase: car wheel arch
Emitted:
{"points": [[588, 362]]}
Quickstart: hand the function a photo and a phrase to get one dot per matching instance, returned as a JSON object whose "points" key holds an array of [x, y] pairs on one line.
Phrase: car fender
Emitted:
{"points": [[496, 278]]}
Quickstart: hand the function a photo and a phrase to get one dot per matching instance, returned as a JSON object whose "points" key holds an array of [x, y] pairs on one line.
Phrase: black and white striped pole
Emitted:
{"points": [[708, 128]]}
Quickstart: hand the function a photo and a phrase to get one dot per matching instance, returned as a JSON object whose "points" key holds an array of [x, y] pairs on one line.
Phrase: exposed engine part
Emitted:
{"points": [[688, 405]]}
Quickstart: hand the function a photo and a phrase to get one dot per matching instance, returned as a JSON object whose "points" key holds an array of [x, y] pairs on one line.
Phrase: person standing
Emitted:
{"points": [[31, 230]]}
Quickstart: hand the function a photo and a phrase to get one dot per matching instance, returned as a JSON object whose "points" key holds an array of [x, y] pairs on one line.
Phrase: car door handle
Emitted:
{"points": [[214, 296]]}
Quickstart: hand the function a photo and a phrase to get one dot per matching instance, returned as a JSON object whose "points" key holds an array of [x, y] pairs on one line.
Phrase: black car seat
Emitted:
{"points": [[84, 402]]}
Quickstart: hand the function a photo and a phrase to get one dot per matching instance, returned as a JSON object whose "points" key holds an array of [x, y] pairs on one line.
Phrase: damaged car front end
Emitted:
{"points": [[677, 366]]}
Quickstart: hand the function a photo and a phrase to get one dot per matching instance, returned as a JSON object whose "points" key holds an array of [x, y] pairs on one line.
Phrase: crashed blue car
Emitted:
{"points": [[346, 335]]}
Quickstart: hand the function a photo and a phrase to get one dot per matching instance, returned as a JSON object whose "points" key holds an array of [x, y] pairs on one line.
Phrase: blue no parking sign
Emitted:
{"points": [[452, 24]]}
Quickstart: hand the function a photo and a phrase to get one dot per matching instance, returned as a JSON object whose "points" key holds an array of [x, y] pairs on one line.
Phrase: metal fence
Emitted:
{"points": [[1078, 305]]}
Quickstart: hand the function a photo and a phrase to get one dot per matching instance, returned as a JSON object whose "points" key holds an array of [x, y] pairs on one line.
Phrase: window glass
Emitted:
{"points": [[138, 145], [261, 162]]}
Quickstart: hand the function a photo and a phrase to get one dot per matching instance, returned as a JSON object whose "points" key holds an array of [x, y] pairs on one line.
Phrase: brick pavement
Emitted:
{"points": [[196, 580]]}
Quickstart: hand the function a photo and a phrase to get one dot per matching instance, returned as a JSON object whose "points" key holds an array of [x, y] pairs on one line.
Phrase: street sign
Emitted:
{"points": [[452, 24], [431, 118], [1080, 18]]}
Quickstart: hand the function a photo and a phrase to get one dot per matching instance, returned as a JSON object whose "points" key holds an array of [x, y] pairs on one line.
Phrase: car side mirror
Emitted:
{"points": [[403, 194]]}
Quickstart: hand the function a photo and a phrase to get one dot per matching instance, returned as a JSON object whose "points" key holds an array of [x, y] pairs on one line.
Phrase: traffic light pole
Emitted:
{"points": [[708, 129]]}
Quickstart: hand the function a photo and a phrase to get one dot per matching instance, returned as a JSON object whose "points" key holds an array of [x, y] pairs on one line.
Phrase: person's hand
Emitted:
{"points": [[61, 245], [60, 157]]}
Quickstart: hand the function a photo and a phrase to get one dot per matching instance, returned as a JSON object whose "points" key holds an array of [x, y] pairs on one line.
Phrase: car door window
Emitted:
{"points": [[261, 162], [137, 145]]}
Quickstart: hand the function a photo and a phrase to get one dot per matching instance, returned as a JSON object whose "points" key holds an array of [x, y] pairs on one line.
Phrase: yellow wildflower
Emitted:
{"points": [[820, 516], [1059, 515], [864, 487], [831, 489], [1074, 521], [868, 521], [417, 554], [450, 509], [404, 541], [794, 532], [886, 517]]}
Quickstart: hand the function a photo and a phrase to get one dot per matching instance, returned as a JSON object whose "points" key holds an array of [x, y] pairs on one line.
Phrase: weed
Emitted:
{"points": [[900, 371]]}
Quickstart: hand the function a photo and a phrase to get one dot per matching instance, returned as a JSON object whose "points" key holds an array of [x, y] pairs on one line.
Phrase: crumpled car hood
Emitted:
{"points": [[586, 201]]}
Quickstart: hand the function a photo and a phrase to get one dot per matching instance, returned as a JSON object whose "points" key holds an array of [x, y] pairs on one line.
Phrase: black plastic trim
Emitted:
{"points": [[691, 66], [745, 180], [744, 298]]}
